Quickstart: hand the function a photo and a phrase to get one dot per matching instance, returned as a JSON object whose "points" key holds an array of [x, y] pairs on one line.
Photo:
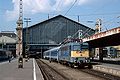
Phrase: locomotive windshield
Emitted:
{"points": [[84, 46], [76, 47]]}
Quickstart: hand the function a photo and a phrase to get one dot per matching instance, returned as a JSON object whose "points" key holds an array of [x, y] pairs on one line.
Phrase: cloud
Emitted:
{"points": [[62, 4], [11, 15], [29, 7], [40, 6], [37, 6], [82, 2]]}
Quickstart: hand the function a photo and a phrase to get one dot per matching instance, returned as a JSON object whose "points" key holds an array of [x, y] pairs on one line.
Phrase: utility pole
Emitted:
{"points": [[99, 51], [98, 26], [48, 16], [78, 19], [2, 43], [19, 28], [27, 20], [80, 34]]}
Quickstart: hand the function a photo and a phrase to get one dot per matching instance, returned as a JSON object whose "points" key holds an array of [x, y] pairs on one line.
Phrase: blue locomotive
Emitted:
{"points": [[74, 53]]}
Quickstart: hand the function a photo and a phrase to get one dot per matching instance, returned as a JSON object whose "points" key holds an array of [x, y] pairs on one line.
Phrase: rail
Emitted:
{"points": [[50, 73], [101, 74]]}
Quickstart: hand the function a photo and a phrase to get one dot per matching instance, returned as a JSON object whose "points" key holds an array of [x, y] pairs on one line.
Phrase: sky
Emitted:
{"points": [[87, 10]]}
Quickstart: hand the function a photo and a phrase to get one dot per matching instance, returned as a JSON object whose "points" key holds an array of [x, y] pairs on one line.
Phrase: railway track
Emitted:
{"points": [[100, 74], [50, 73], [59, 74], [108, 61]]}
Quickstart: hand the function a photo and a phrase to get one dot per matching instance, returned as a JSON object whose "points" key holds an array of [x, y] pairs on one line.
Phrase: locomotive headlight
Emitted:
{"points": [[75, 61], [87, 60]]}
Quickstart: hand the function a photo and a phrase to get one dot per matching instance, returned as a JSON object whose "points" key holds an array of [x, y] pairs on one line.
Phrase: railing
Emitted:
{"points": [[102, 34]]}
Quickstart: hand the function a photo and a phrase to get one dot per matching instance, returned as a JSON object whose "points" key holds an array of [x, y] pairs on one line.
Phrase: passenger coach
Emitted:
{"points": [[52, 54]]}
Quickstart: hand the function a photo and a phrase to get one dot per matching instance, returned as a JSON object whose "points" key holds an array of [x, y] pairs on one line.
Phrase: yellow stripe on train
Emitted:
{"points": [[80, 53]]}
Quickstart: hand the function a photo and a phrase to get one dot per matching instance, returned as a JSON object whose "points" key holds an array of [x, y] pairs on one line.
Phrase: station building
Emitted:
{"points": [[51, 33], [8, 41]]}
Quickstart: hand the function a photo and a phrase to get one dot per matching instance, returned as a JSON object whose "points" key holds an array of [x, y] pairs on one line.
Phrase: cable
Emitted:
{"points": [[70, 7], [56, 9], [94, 14], [109, 21], [60, 2]]}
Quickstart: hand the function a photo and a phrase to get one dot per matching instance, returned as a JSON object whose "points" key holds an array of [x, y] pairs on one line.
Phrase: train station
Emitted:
{"points": [[51, 33], [59, 47]]}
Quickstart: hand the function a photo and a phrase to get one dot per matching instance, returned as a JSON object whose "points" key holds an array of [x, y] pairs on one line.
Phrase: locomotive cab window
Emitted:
{"points": [[84, 46], [76, 47]]}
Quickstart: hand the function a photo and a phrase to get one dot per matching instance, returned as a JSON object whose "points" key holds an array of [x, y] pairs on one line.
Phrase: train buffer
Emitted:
{"points": [[30, 71]]}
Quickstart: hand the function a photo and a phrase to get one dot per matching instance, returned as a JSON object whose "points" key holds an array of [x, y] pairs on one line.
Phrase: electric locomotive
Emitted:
{"points": [[75, 53]]}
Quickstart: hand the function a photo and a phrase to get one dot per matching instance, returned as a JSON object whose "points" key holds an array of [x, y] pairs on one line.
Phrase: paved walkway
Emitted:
{"points": [[10, 71], [108, 68]]}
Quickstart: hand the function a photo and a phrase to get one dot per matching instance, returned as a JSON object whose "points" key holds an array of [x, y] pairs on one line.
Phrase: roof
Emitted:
{"points": [[6, 39], [58, 17], [8, 34]]}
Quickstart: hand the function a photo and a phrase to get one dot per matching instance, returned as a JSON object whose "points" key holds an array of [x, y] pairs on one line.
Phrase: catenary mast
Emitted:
{"points": [[19, 30]]}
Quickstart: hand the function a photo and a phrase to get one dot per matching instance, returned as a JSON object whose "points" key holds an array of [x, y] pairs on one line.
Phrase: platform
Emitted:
{"points": [[10, 71], [108, 68]]}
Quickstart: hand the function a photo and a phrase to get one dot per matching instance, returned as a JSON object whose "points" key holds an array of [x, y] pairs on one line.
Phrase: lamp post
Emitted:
{"points": [[27, 20], [2, 43]]}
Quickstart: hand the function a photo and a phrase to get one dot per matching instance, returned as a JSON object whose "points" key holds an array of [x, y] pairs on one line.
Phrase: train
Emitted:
{"points": [[4, 54], [74, 53], [52, 54]]}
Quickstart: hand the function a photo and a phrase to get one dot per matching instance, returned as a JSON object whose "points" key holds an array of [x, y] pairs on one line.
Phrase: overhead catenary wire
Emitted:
{"points": [[94, 14], [70, 7], [108, 22], [57, 8], [59, 3]]}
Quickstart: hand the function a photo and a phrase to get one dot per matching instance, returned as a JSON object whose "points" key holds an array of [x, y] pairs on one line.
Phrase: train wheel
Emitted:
{"points": [[90, 66], [69, 64], [81, 66], [72, 65]]}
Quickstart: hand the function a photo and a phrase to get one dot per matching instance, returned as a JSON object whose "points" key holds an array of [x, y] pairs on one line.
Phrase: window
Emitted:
{"points": [[76, 47]]}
